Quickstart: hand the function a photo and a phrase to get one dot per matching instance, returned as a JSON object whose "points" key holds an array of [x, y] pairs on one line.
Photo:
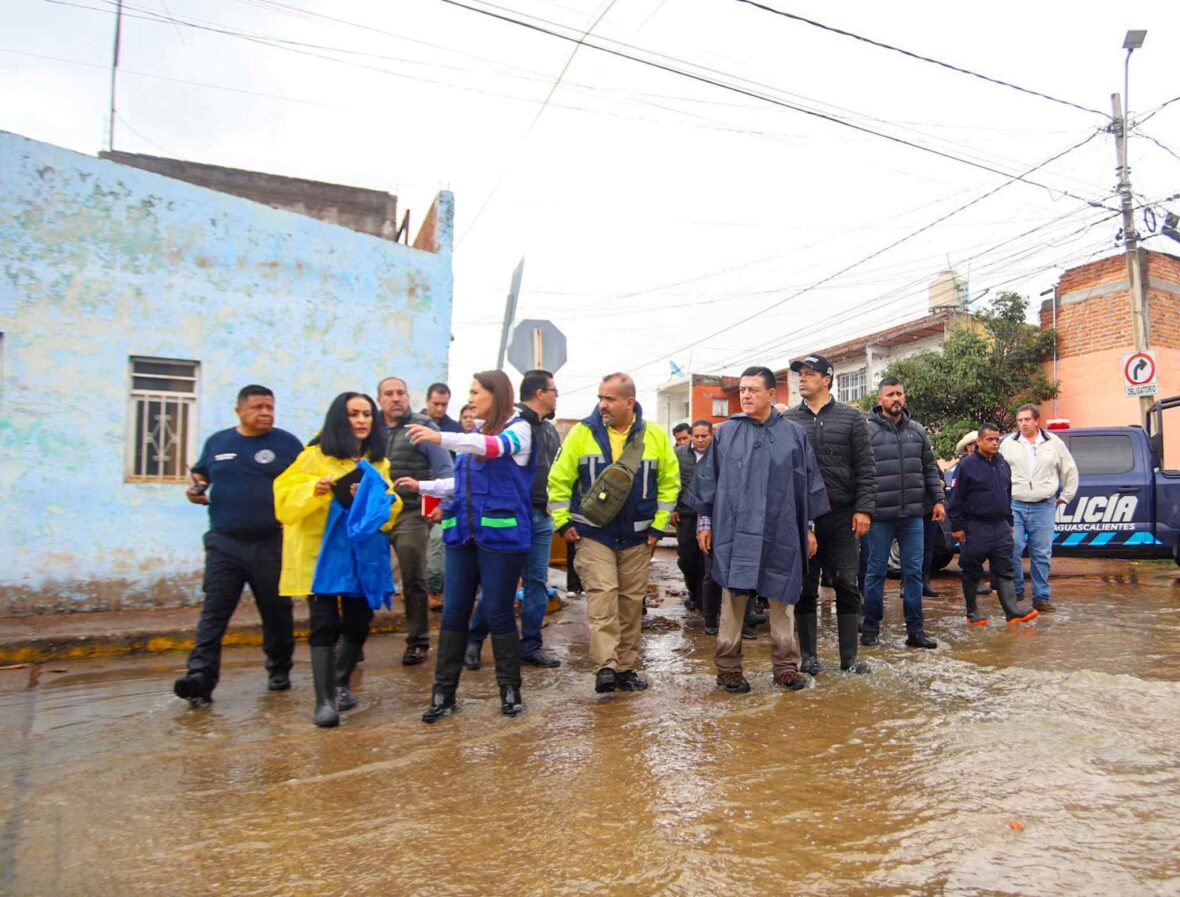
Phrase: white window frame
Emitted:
{"points": [[175, 442], [720, 407], [856, 389]]}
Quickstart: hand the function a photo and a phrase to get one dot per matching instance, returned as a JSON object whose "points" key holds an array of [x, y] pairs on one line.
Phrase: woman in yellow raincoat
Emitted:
{"points": [[335, 552]]}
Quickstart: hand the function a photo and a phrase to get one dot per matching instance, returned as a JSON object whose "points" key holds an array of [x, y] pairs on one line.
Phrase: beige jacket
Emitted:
{"points": [[1055, 469]]}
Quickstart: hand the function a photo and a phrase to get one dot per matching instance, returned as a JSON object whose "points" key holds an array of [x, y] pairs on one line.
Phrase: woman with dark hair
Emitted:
{"points": [[487, 530], [467, 419], [335, 504]]}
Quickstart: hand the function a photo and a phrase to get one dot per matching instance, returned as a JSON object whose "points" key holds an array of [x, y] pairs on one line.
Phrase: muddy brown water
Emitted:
{"points": [[906, 781]]}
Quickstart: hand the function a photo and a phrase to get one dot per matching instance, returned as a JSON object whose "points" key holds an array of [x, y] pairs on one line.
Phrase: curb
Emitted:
{"points": [[159, 641]]}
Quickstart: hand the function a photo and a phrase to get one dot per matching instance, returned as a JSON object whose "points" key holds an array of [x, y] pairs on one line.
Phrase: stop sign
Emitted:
{"points": [[537, 344]]}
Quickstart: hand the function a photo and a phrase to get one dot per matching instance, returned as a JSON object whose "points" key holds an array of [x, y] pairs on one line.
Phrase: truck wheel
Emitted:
{"points": [[942, 557]]}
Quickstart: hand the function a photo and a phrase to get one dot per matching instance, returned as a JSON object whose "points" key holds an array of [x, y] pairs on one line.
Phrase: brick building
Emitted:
{"points": [[1093, 318], [703, 396]]}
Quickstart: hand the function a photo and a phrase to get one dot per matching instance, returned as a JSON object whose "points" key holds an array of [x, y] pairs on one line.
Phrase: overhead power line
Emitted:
{"points": [[1167, 149], [307, 49], [824, 116], [1156, 111], [920, 57], [865, 259], [904, 293], [540, 111]]}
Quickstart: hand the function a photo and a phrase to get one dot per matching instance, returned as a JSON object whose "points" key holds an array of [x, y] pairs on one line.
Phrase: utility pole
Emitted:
{"points": [[114, 73], [1139, 330]]}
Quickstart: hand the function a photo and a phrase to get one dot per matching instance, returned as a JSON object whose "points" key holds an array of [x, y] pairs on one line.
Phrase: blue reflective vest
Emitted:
{"points": [[492, 503]]}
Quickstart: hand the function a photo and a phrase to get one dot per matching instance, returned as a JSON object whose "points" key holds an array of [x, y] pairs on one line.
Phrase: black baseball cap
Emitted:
{"points": [[817, 363]]}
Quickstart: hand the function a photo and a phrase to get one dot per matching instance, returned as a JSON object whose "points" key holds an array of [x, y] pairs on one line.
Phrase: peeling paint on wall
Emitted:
{"points": [[102, 262]]}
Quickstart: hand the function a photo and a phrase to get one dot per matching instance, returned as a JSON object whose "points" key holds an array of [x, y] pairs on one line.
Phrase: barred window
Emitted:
{"points": [[852, 385], [161, 420]]}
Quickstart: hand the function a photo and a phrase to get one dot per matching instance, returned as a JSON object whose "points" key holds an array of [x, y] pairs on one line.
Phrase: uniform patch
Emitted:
{"points": [[264, 456], [225, 456]]}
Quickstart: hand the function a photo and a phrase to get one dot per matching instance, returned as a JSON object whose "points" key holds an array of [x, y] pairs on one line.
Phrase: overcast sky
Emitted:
{"points": [[655, 207]]}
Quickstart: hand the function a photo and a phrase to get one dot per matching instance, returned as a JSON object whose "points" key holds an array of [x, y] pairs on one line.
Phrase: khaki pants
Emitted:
{"points": [[784, 644], [614, 582]]}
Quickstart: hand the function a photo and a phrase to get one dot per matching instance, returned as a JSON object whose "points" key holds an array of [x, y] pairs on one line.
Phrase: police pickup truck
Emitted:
{"points": [[1128, 501]]}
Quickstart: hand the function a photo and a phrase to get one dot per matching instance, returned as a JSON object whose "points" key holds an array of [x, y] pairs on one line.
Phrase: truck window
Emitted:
{"points": [[1102, 454]]}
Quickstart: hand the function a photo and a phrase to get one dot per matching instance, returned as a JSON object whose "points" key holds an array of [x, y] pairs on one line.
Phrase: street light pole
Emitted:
{"points": [[1133, 41], [114, 73]]}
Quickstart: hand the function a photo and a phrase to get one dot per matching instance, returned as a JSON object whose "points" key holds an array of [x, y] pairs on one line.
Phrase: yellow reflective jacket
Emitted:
{"points": [[585, 452], [304, 514]]}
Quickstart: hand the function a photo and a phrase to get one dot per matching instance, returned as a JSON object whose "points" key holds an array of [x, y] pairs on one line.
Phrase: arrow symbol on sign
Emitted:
{"points": [[1139, 365]]}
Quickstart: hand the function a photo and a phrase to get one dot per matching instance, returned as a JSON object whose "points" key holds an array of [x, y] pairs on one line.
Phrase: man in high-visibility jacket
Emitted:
{"points": [[614, 560]]}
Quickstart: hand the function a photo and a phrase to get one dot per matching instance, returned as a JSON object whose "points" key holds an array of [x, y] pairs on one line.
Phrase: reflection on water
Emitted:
{"points": [[907, 781]]}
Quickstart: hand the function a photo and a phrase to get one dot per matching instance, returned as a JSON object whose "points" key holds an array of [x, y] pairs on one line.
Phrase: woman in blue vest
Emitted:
{"points": [[487, 529]]}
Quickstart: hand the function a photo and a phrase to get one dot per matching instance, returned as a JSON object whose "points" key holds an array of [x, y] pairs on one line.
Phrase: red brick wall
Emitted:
{"points": [[1163, 308], [1104, 322]]}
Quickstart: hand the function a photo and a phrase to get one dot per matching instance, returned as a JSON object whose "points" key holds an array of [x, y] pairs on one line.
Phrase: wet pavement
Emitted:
{"points": [[1040, 758]]}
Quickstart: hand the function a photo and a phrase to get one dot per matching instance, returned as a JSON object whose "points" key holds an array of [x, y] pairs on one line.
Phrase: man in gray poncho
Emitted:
{"points": [[757, 493]]}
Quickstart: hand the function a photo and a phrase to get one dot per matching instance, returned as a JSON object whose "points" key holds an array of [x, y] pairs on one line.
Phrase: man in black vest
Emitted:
{"points": [[410, 536], [538, 404], [689, 556], [839, 436]]}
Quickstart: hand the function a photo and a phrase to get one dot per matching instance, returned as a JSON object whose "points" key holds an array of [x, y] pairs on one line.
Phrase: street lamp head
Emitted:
{"points": [[1134, 40]]}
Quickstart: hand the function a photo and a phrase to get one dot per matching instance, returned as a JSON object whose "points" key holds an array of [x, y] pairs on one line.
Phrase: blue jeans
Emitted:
{"points": [[909, 532], [1034, 528], [470, 569], [536, 593]]}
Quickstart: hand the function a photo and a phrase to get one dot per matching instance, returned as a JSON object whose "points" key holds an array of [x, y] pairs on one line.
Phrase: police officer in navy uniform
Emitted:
{"points": [[980, 512], [235, 478]]}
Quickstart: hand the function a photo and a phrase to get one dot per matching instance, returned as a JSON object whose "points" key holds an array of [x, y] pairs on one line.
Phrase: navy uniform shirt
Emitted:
{"points": [[241, 471], [981, 489]]}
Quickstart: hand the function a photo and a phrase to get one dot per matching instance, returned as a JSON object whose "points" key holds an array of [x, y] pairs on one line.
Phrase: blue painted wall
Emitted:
{"points": [[100, 262]]}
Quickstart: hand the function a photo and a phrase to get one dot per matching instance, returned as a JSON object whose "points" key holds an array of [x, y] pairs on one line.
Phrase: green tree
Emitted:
{"points": [[982, 374]]}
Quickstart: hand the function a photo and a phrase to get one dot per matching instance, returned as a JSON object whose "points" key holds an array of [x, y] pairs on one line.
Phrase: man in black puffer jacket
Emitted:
{"points": [[839, 436], [906, 475]]}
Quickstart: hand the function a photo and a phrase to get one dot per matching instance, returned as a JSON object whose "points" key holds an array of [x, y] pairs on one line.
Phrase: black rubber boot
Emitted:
{"points": [[928, 591], [1014, 613], [506, 651], [323, 675], [971, 600], [846, 630], [448, 666], [471, 659], [348, 655], [805, 626]]}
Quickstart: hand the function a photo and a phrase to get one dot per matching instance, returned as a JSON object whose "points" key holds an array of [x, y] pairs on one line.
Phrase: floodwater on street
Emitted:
{"points": [[1032, 759]]}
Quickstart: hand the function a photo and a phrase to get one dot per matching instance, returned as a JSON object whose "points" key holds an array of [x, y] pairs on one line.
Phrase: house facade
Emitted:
{"points": [[133, 307], [708, 397], [860, 363]]}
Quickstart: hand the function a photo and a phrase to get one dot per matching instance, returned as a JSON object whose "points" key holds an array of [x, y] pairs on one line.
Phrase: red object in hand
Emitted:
{"points": [[429, 503]]}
